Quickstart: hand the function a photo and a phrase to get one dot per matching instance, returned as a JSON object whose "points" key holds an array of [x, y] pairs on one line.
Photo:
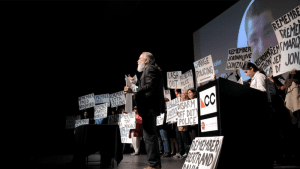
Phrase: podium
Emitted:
{"points": [[242, 117]]}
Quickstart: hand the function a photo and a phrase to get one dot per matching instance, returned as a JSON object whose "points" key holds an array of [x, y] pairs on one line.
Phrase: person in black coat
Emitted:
{"points": [[149, 97]]}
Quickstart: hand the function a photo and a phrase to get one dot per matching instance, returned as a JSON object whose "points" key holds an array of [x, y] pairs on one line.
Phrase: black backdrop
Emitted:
{"points": [[59, 51]]}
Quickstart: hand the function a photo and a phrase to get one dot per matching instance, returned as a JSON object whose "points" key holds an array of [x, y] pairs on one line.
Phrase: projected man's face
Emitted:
{"points": [[260, 33]]}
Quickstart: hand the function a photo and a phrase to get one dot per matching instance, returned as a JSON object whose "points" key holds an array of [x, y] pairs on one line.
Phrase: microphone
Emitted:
{"points": [[229, 75]]}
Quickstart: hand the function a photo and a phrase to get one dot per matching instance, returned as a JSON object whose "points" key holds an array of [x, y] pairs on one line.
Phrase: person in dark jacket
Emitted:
{"points": [[150, 103]]}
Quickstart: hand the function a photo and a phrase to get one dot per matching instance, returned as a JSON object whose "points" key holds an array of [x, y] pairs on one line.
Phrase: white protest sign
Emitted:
{"points": [[276, 59], [204, 69], [100, 111], [204, 153], [89, 100], [210, 124], [167, 94], [117, 98], [172, 110], [102, 98], [264, 61], [287, 30], [81, 122], [160, 119], [70, 121], [81, 101], [124, 132], [127, 120], [186, 80], [208, 101], [173, 79], [128, 97], [237, 57], [187, 112]]}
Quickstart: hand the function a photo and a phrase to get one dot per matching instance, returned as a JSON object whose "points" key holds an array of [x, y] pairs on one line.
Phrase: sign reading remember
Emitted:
{"points": [[187, 112], [204, 69], [204, 153], [237, 57], [287, 30]]}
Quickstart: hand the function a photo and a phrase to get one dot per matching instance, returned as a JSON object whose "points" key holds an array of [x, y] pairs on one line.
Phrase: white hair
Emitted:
{"points": [[149, 57]]}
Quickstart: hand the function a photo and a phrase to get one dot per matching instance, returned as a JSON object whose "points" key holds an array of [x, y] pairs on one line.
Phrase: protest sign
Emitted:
{"points": [[187, 112], [172, 110], [167, 94], [81, 101], [276, 59], [127, 120], [160, 119], [113, 119], [124, 132], [186, 80], [237, 57], [208, 101], [89, 100], [173, 79], [81, 122], [264, 61], [70, 121], [287, 31], [128, 97], [100, 111], [210, 124], [117, 98], [204, 153], [204, 69], [102, 98]]}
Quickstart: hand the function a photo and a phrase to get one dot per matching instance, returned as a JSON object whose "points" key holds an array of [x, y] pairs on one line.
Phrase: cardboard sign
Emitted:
{"points": [[264, 61], [117, 98], [187, 112], [173, 79], [128, 97], [204, 153], [124, 132], [81, 122], [210, 124], [81, 101], [89, 100], [167, 94], [208, 101], [70, 121], [160, 119], [204, 69], [100, 111], [102, 98], [276, 59], [186, 80], [172, 110], [114, 119], [127, 120], [287, 29], [237, 57]]}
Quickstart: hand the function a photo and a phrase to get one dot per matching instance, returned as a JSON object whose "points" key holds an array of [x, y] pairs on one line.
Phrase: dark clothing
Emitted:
{"points": [[150, 103], [150, 94]]}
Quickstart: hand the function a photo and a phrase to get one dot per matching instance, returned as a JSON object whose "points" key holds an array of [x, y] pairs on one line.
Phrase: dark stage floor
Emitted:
{"points": [[128, 162]]}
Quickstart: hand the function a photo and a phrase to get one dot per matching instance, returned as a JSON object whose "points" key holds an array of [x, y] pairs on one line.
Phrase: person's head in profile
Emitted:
{"points": [[250, 69], [258, 28], [145, 59], [203, 125]]}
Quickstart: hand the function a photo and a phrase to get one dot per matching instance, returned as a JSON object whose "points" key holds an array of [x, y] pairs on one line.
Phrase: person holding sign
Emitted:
{"points": [[194, 128], [136, 133], [150, 103]]}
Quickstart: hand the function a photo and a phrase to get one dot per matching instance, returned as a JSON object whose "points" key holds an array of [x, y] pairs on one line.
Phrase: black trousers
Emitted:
{"points": [[151, 138]]}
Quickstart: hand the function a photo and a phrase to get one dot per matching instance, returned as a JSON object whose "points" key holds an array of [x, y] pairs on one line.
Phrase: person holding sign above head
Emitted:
{"points": [[149, 97]]}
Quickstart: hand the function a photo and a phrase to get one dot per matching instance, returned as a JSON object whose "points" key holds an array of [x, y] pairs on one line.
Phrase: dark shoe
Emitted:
{"points": [[167, 155]]}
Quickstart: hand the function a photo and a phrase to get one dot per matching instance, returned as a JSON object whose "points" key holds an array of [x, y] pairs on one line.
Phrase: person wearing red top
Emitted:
{"points": [[136, 133]]}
